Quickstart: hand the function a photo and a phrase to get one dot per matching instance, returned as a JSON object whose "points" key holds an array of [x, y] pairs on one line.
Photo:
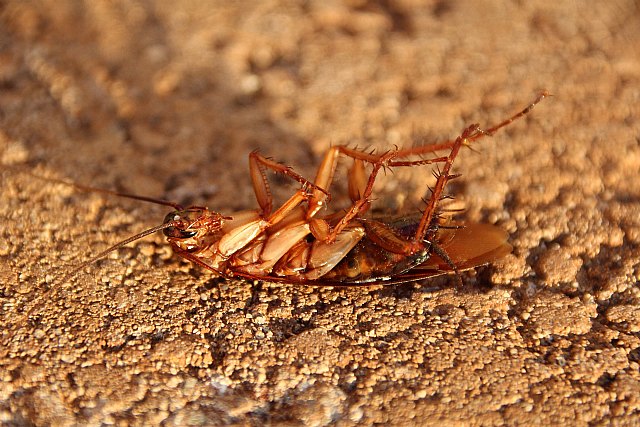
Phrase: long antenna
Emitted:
{"points": [[118, 246], [89, 189], [176, 206]]}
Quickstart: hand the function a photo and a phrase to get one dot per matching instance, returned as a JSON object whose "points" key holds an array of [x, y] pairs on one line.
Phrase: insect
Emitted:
{"points": [[302, 242]]}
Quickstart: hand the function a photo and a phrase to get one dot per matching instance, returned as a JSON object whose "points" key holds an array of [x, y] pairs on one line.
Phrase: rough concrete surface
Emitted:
{"points": [[167, 98]]}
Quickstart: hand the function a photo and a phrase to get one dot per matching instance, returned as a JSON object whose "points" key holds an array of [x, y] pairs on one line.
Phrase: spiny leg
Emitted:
{"points": [[360, 194], [326, 172], [194, 259], [360, 188], [358, 184], [382, 234], [447, 145], [362, 203], [470, 134], [357, 180], [429, 213], [258, 166], [511, 119], [388, 159]]}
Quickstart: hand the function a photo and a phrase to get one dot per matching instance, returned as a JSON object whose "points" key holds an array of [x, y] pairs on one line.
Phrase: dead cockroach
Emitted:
{"points": [[299, 243]]}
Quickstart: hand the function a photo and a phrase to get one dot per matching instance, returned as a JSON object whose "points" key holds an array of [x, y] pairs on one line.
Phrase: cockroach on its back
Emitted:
{"points": [[298, 243]]}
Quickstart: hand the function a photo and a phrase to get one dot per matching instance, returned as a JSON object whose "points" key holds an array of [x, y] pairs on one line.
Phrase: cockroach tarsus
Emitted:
{"points": [[298, 243]]}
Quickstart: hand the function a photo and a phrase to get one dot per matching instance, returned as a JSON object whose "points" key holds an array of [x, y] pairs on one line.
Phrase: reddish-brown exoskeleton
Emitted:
{"points": [[300, 243]]}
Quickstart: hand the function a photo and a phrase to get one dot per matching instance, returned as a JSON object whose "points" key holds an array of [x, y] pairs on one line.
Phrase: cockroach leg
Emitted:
{"points": [[359, 192], [357, 180], [258, 165], [470, 134], [360, 188], [516, 116], [445, 257], [327, 169], [194, 259], [358, 183], [282, 212], [383, 236], [447, 145], [361, 205], [436, 194]]}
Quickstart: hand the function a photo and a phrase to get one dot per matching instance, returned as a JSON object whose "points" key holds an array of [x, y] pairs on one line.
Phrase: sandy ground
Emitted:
{"points": [[166, 99]]}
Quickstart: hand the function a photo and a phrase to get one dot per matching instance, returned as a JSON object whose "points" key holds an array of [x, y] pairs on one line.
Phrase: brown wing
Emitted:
{"points": [[469, 247]]}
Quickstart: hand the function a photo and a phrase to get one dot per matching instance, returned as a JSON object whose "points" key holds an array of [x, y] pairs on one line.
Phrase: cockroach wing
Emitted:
{"points": [[325, 256], [468, 247]]}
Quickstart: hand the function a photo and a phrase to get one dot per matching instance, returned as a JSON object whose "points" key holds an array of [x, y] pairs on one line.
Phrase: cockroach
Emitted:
{"points": [[301, 242]]}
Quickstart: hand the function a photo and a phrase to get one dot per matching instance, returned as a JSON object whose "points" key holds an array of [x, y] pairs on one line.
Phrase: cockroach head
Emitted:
{"points": [[192, 222]]}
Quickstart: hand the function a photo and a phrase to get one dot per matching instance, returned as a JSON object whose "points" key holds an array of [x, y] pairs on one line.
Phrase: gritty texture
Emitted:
{"points": [[167, 98]]}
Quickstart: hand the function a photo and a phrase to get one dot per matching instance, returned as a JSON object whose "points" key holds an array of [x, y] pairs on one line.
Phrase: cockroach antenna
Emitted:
{"points": [[89, 189], [117, 246]]}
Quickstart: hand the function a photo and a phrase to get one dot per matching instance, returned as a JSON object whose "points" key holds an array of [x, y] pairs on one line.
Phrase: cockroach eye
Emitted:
{"points": [[176, 232]]}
